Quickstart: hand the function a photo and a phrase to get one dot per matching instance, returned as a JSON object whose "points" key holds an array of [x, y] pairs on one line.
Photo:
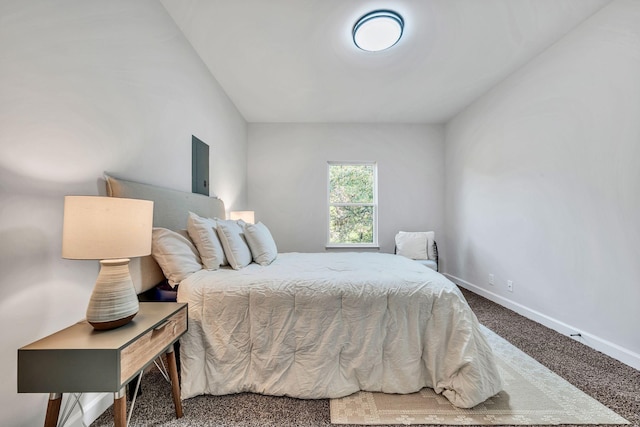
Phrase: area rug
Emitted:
{"points": [[532, 395]]}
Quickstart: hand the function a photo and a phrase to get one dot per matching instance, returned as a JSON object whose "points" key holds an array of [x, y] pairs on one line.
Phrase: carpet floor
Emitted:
{"points": [[614, 384]]}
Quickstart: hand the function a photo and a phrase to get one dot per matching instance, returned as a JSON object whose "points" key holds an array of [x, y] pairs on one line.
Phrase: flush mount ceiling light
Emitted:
{"points": [[378, 30]]}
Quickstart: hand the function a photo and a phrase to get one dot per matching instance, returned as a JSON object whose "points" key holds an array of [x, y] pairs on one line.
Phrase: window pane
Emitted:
{"points": [[351, 224], [351, 183]]}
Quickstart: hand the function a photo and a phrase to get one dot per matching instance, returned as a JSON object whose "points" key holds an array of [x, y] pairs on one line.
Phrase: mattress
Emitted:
{"points": [[326, 325]]}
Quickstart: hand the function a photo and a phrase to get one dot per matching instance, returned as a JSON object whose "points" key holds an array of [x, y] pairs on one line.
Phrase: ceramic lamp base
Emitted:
{"points": [[114, 301]]}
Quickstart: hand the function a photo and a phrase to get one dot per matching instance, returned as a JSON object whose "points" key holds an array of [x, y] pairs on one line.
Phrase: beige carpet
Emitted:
{"points": [[532, 395]]}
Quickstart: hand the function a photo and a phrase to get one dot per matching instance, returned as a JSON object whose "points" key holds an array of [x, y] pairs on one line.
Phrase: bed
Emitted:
{"points": [[320, 325]]}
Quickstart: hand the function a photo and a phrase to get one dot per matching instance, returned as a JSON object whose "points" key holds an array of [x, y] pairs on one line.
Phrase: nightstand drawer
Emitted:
{"points": [[136, 355]]}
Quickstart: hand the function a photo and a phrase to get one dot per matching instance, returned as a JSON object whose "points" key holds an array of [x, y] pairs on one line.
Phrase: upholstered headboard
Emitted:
{"points": [[170, 210]]}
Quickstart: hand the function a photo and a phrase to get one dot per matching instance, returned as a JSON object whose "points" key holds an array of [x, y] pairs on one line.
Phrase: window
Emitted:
{"points": [[353, 204]]}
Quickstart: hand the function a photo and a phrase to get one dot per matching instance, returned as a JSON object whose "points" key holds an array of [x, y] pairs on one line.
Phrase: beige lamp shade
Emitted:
{"points": [[106, 227], [246, 216], [112, 230]]}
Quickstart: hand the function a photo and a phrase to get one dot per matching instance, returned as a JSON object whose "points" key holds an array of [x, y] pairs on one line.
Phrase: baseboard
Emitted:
{"points": [[617, 352], [92, 406]]}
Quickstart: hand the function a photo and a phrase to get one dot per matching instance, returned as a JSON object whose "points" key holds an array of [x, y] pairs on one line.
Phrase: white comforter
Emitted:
{"points": [[327, 325]]}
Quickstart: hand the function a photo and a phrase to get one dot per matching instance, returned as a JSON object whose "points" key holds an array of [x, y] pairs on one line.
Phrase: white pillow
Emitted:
{"points": [[235, 247], [416, 244], [263, 247], [177, 256], [203, 233]]}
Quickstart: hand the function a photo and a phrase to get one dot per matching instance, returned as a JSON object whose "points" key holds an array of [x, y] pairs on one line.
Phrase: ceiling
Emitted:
{"points": [[295, 61]]}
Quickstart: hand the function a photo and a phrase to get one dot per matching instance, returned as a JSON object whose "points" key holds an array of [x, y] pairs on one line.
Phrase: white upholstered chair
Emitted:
{"points": [[419, 246]]}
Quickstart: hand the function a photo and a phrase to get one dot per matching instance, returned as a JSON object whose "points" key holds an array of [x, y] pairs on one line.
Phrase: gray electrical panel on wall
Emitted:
{"points": [[199, 166]]}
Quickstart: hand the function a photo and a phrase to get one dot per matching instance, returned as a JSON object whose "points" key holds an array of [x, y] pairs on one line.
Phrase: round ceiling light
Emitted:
{"points": [[378, 30]]}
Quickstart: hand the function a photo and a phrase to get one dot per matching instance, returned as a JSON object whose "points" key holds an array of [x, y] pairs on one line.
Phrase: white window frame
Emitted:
{"points": [[374, 244]]}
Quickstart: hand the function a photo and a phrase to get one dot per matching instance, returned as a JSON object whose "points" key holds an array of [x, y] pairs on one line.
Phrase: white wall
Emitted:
{"points": [[543, 185], [88, 87], [288, 177]]}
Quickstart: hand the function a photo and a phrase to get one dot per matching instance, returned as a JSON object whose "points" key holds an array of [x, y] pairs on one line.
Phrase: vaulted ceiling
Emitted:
{"points": [[295, 61]]}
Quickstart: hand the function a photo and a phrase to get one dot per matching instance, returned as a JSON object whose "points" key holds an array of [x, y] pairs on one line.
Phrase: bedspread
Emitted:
{"points": [[326, 325]]}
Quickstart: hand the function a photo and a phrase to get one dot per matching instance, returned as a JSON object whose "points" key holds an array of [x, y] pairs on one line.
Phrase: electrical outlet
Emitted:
{"points": [[491, 280], [510, 285]]}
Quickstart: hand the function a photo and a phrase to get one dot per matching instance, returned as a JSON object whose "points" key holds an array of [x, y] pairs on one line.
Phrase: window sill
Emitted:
{"points": [[376, 247]]}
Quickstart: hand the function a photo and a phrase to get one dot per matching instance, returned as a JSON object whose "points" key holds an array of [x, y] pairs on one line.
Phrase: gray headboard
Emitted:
{"points": [[170, 210]]}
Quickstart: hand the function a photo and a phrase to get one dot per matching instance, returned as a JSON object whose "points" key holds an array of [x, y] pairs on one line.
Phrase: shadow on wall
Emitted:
{"points": [[38, 287]]}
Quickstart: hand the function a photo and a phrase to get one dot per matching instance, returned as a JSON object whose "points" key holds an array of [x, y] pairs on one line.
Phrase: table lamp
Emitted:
{"points": [[246, 216], [111, 230]]}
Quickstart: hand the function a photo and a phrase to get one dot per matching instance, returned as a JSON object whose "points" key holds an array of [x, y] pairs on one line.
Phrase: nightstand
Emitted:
{"points": [[80, 359]]}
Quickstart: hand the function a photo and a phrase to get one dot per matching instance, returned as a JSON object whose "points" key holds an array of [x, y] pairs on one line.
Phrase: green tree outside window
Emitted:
{"points": [[352, 204]]}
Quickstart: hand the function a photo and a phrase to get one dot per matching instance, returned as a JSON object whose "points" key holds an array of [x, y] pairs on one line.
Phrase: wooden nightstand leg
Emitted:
{"points": [[175, 384], [120, 408], [53, 410]]}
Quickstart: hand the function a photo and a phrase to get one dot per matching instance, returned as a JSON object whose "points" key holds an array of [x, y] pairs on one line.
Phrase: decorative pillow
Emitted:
{"points": [[177, 256], [203, 233], [415, 245], [235, 247], [263, 247]]}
